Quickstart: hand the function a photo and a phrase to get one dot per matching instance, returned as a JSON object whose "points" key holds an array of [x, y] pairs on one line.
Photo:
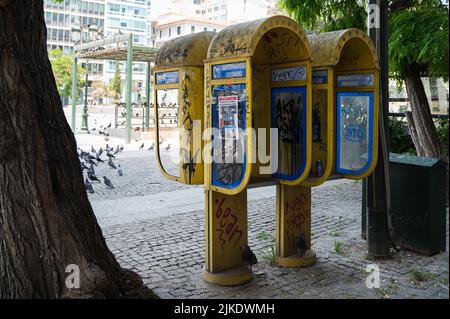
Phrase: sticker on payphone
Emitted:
{"points": [[228, 117], [355, 122]]}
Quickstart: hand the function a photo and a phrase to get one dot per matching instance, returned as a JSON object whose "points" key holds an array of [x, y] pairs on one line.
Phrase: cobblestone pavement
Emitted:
{"points": [[168, 251]]}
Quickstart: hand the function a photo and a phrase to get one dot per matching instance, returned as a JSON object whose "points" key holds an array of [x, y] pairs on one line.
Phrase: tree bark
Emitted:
{"points": [[46, 220], [423, 130]]}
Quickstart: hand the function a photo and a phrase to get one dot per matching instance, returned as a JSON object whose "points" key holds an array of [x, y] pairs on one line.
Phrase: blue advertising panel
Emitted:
{"points": [[229, 70], [289, 117], [354, 132], [167, 78], [229, 146], [320, 77], [355, 80]]}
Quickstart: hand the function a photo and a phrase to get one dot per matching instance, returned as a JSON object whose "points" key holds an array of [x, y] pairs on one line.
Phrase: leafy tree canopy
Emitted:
{"points": [[419, 35], [326, 15], [62, 70]]}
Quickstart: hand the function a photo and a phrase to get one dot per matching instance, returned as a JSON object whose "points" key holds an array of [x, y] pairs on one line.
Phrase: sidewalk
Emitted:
{"points": [[156, 227]]}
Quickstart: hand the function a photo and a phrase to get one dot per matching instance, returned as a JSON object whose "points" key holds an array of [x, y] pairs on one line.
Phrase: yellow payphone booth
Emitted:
{"points": [[345, 105], [179, 86], [257, 76]]}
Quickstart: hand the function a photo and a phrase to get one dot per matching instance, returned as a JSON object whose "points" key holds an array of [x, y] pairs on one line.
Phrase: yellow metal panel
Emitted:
{"points": [[327, 49], [248, 142], [307, 167], [185, 55], [191, 111], [293, 219], [324, 101], [241, 40], [226, 230], [189, 50]]}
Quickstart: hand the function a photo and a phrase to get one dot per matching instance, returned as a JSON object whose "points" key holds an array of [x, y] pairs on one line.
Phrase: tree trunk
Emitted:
{"points": [[46, 220], [423, 130]]}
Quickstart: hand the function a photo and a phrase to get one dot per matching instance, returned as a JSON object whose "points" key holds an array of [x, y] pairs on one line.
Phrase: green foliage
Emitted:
{"points": [[399, 139], [337, 247], [326, 15], [419, 35], [269, 255], [62, 71], [442, 131], [115, 84]]}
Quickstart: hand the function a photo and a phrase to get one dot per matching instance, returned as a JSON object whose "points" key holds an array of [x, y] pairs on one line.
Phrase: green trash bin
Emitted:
{"points": [[418, 202]]}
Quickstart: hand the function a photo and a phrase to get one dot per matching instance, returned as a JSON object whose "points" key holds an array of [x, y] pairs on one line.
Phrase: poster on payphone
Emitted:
{"points": [[228, 117], [354, 114], [229, 111]]}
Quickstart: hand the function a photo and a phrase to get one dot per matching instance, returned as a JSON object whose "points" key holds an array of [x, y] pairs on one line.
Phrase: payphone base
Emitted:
{"points": [[295, 261], [231, 277]]}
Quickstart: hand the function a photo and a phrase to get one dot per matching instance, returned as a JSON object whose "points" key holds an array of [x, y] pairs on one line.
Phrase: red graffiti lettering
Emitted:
{"points": [[228, 225]]}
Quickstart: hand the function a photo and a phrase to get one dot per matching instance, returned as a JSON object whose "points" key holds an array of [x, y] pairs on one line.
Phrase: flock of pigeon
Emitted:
{"points": [[93, 158]]}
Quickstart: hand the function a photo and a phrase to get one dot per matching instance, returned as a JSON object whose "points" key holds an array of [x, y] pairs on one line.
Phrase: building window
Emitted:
{"points": [[160, 34], [192, 28], [178, 30]]}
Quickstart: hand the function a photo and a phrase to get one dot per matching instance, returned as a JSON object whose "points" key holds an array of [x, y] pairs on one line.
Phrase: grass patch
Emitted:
{"points": [[417, 276], [337, 247], [269, 255], [263, 235], [336, 232]]}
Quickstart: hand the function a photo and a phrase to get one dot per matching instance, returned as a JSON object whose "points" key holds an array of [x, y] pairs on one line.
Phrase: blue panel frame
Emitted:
{"points": [[338, 135], [231, 87], [291, 89], [229, 70]]}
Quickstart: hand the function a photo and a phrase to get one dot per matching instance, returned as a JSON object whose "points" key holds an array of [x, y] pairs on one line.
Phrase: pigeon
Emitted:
{"points": [[93, 178], [106, 138], [108, 182], [93, 151], [91, 170], [119, 170], [100, 152], [88, 186], [111, 163], [152, 147], [90, 161], [108, 153], [99, 160], [141, 147], [109, 126], [107, 148], [248, 256], [83, 166], [168, 147], [300, 245], [121, 148]]}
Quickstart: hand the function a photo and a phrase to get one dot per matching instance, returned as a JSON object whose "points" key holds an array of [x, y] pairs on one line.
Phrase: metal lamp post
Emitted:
{"points": [[84, 120], [93, 33], [76, 37]]}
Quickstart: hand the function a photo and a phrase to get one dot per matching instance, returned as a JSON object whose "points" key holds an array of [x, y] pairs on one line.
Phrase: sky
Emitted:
{"points": [[159, 6]]}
